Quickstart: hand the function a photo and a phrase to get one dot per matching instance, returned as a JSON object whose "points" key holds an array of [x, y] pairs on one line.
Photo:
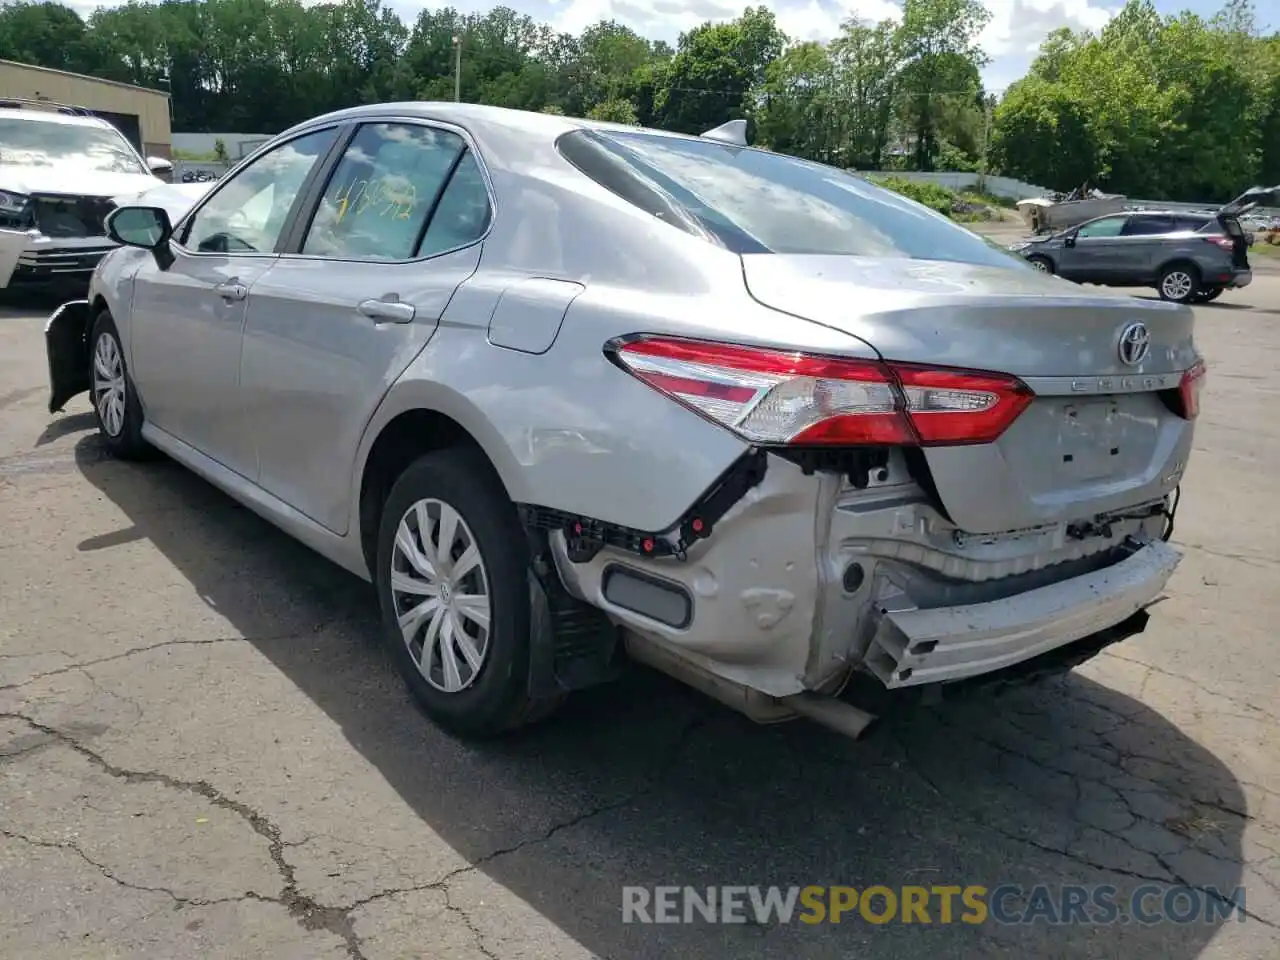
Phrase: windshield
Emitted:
{"points": [[41, 143], [753, 201]]}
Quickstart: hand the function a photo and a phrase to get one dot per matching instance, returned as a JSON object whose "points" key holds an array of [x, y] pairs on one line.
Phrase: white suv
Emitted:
{"points": [[62, 170]]}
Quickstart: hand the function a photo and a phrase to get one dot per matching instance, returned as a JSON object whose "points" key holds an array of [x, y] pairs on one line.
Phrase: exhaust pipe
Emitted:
{"points": [[838, 715], [842, 717]]}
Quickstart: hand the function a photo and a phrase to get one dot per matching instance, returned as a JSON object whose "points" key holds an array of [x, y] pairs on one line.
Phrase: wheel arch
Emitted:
{"points": [[416, 420], [1179, 260]]}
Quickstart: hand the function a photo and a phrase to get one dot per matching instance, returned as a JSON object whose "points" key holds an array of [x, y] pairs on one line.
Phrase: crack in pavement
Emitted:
{"points": [[125, 654], [1252, 560], [70, 847], [1065, 850], [308, 912], [1199, 685], [663, 769], [476, 935], [31, 656]]}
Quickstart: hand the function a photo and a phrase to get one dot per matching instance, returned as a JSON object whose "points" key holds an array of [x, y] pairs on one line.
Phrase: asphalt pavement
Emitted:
{"points": [[205, 753]]}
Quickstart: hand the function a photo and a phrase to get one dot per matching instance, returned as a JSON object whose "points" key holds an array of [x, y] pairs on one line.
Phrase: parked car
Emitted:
{"points": [[61, 171], [1187, 257], [571, 393]]}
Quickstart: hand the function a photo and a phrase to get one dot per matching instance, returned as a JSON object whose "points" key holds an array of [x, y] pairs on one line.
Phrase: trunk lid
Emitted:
{"points": [[1100, 436], [1253, 197]]}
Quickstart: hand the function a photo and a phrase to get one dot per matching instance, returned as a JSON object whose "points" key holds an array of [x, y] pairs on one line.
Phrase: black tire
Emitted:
{"points": [[1187, 290], [1208, 296], [496, 697], [1043, 264], [122, 437]]}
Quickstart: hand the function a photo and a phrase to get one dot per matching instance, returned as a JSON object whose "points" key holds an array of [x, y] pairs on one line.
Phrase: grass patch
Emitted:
{"points": [[1265, 250], [968, 206]]}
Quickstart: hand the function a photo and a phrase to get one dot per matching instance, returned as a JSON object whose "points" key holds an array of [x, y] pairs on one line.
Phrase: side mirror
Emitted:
{"points": [[1069, 240], [159, 165], [145, 227]]}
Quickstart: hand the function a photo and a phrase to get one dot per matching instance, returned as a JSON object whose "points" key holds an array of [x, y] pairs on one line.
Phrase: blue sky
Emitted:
{"points": [[1011, 39]]}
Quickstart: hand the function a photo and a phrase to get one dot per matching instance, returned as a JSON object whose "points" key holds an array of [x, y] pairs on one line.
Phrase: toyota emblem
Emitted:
{"points": [[1135, 344]]}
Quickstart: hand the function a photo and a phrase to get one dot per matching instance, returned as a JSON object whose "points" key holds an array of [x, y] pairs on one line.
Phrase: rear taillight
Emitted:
{"points": [[1189, 390], [1226, 243], [782, 397]]}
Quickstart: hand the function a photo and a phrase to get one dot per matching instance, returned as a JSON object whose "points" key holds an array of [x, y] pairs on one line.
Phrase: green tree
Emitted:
{"points": [[616, 110], [1181, 106], [1041, 133], [1177, 107], [938, 44], [866, 61], [48, 35], [715, 69]]}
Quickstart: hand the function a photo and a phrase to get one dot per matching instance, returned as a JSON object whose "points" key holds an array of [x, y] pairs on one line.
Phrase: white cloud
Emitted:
{"points": [[667, 19], [1018, 27]]}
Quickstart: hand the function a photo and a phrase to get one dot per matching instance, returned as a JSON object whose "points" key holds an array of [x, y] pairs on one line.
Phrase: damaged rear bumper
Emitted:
{"points": [[914, 647], [892, 590]]}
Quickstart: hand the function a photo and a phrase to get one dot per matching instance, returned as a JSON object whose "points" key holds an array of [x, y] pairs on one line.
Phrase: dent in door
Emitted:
{"points": [[529, 313]]}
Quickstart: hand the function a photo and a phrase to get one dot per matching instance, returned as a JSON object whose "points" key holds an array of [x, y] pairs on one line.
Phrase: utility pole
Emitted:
{"points": [[987, 108], [457, 68]]}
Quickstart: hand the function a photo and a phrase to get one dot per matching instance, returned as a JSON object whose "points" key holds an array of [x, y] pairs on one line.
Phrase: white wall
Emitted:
{"points": [[237, 144]]}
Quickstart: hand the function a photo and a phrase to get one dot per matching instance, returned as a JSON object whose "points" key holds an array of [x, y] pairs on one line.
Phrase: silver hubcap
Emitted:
{"points": [[440, 589], [1040, 265], [1177, 285], [108, 384]]}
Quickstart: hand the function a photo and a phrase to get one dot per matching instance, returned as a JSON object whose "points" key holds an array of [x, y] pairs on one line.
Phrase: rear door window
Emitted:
{"points": [[1148, 226], [753, 201], [378, 201]]}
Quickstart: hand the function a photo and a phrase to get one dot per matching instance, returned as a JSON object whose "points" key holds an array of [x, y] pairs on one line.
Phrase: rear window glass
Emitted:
{"points": [[753, 201]]}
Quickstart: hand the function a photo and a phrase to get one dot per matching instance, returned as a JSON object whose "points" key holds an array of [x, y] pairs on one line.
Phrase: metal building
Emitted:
{"points": [[140, 113]]}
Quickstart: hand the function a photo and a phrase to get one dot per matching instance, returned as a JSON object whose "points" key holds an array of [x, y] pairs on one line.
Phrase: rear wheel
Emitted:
{"points": [[453, 585], [1180, 283], [1043, 264], [1206, 296], [115, 402]]}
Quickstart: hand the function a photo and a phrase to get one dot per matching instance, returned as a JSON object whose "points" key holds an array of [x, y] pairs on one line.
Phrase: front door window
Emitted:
{"points": [[1106, 227], [249, 211]]}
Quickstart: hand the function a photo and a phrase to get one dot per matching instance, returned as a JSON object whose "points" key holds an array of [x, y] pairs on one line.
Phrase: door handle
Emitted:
{"points": [[389, 310], [232, 290]]}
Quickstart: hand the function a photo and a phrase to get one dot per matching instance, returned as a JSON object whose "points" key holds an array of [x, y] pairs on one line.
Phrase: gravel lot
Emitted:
{"points": [[204, 752]]}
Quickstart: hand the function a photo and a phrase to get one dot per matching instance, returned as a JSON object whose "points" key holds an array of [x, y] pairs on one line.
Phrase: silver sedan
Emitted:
{"points": [[572, 394]]}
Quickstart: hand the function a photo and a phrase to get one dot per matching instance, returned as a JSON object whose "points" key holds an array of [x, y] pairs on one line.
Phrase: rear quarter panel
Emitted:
{"points": [[1192, 248], [565, 428]]}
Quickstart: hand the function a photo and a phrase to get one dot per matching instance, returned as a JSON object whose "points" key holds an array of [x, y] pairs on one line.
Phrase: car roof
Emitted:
{"points": [[1189, 214], [476, 117], [51, 116]]}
